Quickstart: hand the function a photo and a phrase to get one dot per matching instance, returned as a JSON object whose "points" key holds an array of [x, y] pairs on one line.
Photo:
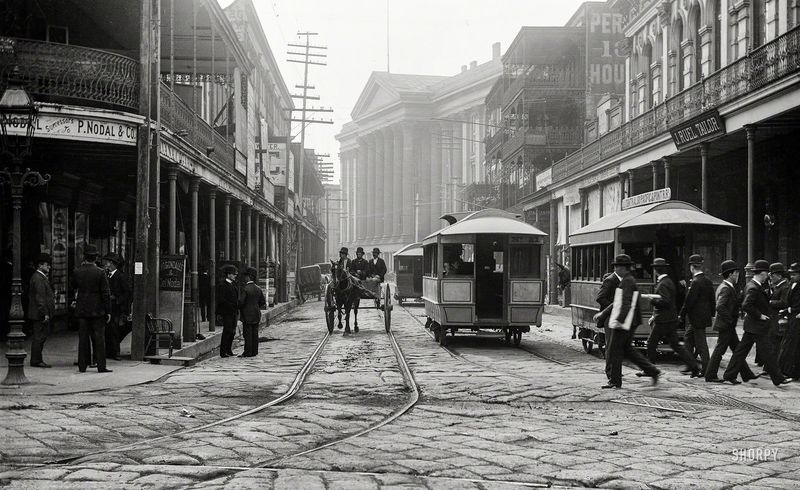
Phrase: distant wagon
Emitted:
{"points": [[408, 272], [484, 271], [310, 281], [671, 229]]}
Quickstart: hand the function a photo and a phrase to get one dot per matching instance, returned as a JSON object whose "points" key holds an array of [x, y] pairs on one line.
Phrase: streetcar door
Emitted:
{"points": [[489, 277]]}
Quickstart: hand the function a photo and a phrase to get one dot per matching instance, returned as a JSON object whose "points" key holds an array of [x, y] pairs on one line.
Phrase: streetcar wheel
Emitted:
{"points": [[517, 337], [588, 345], [442, 336], [508, 336], [387, 310]]}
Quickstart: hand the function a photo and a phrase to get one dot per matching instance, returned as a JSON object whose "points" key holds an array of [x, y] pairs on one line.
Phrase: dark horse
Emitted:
{"points": [[346, 294]]}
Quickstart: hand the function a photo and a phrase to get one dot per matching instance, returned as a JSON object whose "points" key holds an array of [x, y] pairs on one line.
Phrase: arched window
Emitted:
{"points": [[646, 94], [759, 22], [675, 46], [716, 17], [694, 24]]}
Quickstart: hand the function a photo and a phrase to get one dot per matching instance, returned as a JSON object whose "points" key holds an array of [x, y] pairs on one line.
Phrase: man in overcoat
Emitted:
{"points": [[344, 260], [789, 357], [41, 308], [377, 266], [698, 309], [727, 306], [359, 267], [120, 286], [228, 309], [251, 302], [665, 318], [756, 328], [778, 301], [92, 309], [605, 298]]}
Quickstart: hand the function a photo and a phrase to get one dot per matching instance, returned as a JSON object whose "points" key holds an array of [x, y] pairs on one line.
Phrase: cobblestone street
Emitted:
{"points": [[488, 415]]}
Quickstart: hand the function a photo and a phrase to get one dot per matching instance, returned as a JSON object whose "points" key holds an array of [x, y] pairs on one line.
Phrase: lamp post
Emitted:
{"points": [[17, 116]]}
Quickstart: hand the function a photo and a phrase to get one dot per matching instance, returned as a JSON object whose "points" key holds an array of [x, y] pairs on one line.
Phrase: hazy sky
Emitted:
{"points": [[429, 37]]}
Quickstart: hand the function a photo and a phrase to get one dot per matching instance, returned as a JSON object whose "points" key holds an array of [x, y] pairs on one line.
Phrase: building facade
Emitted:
{"points": [[410, 154]]}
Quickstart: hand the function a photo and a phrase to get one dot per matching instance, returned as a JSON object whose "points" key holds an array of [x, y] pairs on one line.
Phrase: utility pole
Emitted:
{"points": [[307, 55]]}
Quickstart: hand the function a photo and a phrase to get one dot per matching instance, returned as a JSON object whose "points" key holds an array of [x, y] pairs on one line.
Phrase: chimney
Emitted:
{"points": [[463, 68], [473, 64], [496, 51]]}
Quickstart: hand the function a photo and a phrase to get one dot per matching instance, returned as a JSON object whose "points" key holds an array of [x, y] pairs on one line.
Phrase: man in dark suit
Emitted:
{"points": [[41, 307], [756, 328], [727, 309], [251, 302], [344, 260], [204, 288], [665, 318], [92, 309], [621, 344], [359, 267], [377, 266], [698, 308], [605, 298], [789, 357], [228, 308], [120, 304], [778, 301]]}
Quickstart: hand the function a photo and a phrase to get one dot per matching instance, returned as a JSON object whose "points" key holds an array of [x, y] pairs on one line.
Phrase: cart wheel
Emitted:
{"points": [[387, 310], [442, 336], [588, 345], [517, 337], [329, 316], [508, 336]]}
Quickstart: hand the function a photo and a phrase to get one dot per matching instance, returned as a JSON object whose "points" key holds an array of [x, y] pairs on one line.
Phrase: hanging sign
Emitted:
{"points": [[171, 288], [79, 128], [651, 197], [704, 127]]}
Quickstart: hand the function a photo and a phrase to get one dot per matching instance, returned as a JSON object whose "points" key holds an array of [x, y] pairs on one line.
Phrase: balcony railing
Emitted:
{"points": [[180, 118], [52, 72], [493, 142], [548, 136], [765, 65], [549, 77]]}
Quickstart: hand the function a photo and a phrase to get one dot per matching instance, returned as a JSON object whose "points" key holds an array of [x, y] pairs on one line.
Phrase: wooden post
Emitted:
{"points": [[751, 154], [172, 179], [227, 222], [704, 176], [212, 259], [194, 189]]}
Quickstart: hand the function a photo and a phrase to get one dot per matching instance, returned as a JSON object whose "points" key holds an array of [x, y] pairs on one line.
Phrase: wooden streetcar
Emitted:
{"points": [[408, 273], [484, 271], [671, 229]]}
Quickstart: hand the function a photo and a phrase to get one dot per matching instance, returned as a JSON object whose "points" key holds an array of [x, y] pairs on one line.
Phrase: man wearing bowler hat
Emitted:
{"points": [[92, 309], [698, 308], [359, 267], [251, 302], [344, 260], [778, 301], [41, 307], [228, 309], [623, 322], [605, 298], [727, 305], [756, 328], [377, 266], [665, 318], [120, 287], [789, 357]]}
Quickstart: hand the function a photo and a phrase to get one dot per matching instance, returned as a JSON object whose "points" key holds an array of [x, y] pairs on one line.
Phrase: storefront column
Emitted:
{"points": [[601, 187], [237, 232], [655, 174], [227, 220], [552, 251], [256, 240], [630, 183], [248, 244], [704, 176], [751, 154], [212, 258], [172, 179], [666, 174], [622, 187], [194, 189]]}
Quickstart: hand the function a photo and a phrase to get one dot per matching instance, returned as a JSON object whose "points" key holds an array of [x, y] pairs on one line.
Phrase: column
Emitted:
{"points": [[409, 164], [666, 174], [227, 222], [248, 244], [212, 259], [388, 187], [398, 171], [359, 189], [630, 183], [424, 188], [369, 207], [551, 239], [237, 231], [257, 241], [377, 188], [704, 176], [751, 154], [601, 187], [194, 189], [654, 164], [435, 209], [457, 163], [172, 179]]}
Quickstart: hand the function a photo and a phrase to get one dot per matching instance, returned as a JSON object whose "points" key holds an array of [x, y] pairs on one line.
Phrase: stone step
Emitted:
{"points": [[172, 361]]}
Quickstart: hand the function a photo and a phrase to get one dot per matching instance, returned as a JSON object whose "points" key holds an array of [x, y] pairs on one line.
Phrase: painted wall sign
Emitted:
{"points": [[79, 128], [572, 196], [658, 195], [704, 127], [174, 155], [543, 179], [606, 174], [240, 162]]}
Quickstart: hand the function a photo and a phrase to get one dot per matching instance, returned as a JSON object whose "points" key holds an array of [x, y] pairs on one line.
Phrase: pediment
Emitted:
{"points": [[374, 97]]}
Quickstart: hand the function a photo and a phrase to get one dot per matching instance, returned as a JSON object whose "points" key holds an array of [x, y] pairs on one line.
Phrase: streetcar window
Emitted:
{"points": [[429, 260], [525, 260], [459, 259]]}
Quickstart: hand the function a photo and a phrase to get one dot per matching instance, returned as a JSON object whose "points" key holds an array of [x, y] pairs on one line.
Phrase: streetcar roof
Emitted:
{"points": [[662, 213], [410, 250], [488, 221]]}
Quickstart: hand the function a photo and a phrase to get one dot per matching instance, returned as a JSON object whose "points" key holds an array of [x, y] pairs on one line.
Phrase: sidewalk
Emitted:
{"points": [[61, 351]]}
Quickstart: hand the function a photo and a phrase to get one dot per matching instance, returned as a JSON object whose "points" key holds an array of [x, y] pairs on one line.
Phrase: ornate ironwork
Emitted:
{"points": [[52, 70]]}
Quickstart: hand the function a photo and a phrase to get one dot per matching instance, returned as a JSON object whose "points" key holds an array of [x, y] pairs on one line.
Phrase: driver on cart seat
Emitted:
{"points": [[377, 266], [344, 260], [359, 267]]}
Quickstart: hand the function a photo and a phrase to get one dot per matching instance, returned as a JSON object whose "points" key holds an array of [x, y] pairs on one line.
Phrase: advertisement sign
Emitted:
{"points": [[78, 128], [605, 56], [543, 179], [658, 195], [704, 127], [171, 287]]}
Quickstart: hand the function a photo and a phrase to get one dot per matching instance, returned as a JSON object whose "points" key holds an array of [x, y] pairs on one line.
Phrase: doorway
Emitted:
{"points": [[489, 277]]}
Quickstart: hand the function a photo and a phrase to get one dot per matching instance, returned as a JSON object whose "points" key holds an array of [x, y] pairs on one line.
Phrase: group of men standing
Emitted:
{"points": [[101, 306], [362, 268], [770, 303], [233, 299]]}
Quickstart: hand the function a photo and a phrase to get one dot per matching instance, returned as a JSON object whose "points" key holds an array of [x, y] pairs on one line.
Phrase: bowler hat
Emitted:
{"points": [[795, 267], [760, 266], [252, 272], [659, 262], [360, 250], [344, 250], [777, 268], [376, 250], [622, 259], [728, 266], [113, 258], [44, 259], [229, 269], [695, 259], [90, 251]]}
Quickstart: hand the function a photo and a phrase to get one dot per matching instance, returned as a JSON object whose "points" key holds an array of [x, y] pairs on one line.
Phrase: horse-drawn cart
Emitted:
{"points": [[310, 281], [346, 292]]}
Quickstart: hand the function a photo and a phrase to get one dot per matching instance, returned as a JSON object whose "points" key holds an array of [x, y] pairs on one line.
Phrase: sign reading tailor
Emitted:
{"points": [[651, 197], [701, 128]]}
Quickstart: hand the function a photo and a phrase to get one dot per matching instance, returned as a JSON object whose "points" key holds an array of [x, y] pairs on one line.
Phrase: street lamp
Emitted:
{"points": [[17, 117]]}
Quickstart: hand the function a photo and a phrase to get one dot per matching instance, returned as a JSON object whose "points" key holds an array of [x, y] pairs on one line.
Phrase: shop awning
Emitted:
{"points": [[411, 250], [663, 213]]}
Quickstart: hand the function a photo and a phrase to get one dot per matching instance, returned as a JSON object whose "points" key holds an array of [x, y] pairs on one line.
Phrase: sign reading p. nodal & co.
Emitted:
{"points": [[704, 127]]}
